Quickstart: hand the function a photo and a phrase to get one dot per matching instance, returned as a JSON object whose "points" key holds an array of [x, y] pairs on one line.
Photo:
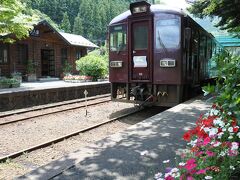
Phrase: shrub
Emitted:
{"points": [[9, 83], [227, 89], [92, 65]]}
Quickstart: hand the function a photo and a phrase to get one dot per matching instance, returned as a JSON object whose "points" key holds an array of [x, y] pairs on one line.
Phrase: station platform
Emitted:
{"points": [[134, 154], [38, 93], [33, 86]]}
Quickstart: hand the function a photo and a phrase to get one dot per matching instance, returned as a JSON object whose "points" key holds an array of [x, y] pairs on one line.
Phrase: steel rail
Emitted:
{"points": [[58, 104], [45, 144], [52, 112]]}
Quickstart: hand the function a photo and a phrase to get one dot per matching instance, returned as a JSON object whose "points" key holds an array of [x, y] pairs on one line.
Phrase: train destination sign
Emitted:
{"points": [[139, 61]]}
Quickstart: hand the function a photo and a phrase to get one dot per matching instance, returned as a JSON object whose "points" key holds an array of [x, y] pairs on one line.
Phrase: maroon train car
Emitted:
{"points": [[157, 55]]}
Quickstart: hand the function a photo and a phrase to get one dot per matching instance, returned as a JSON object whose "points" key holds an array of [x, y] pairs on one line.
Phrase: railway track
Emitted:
{"points": [[55, 108], [56, 140]]}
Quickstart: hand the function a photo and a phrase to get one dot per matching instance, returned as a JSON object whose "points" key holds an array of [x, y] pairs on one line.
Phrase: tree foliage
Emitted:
{"points": [[93, 15], [13, 20], [78, 25], [226, 10], [65, 24]]}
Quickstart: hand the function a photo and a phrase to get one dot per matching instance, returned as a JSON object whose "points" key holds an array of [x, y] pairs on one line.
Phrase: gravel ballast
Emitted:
{"points": [[31, 132]]}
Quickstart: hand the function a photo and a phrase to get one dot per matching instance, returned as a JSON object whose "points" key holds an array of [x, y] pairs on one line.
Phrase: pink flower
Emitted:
{"points": [[190, 178], [190, 164], [233, 153], [210, 153], [201, 171], [169, 178], [189, 167], [199, 153], [191, 161], [206, 141]]}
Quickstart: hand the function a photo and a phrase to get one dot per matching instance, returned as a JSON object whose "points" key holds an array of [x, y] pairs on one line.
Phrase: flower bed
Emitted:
{"points": [[213, 149], [77, 78]]}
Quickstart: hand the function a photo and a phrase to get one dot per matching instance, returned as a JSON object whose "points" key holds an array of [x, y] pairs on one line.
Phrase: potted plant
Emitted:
{"points": [[67, 69], [31, 71], [17, 75]]}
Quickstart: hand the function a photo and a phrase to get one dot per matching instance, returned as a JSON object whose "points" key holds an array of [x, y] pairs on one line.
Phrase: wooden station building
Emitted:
{"points": [[46, 48]]}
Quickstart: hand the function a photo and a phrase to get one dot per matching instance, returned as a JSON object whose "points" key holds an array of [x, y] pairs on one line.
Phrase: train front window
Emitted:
{"points": [[118, 38], [168, 33], [140, 37]]}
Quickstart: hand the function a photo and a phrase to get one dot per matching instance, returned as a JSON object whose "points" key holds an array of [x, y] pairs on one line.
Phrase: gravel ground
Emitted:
{"points": [[24, 134], [30, 161]]}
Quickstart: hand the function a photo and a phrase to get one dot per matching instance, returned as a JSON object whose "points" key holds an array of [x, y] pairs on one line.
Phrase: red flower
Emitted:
{"points": [[187, 136], [209, 121], [235, 129]]}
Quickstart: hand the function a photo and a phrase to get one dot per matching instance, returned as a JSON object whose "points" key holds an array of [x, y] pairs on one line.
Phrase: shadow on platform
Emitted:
{"points": [[136, 153]]}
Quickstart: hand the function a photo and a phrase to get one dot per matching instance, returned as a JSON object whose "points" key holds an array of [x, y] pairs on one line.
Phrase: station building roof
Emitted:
{"points": [[77, 40]]}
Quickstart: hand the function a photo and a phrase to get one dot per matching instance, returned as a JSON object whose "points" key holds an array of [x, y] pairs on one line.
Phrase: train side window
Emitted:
{"points": [[168, 33], [118, 38]]}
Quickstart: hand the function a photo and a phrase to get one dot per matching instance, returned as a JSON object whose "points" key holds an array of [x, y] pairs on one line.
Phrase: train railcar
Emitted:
{"points": [[157, 55]]}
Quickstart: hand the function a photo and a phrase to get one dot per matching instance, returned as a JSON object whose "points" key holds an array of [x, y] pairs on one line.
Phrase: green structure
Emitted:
{"points": [[232, 44]]}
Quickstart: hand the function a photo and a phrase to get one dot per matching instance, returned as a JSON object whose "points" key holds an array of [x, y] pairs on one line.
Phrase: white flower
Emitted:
{"points": [[224, 129], [229, 113], [143, 153], [176, 174], [208, 177], [234, 146], [213, 132], [206, 129], [166, 161], [230, 129], [230, 137], [238, 134], [192, 143], [174, 170], [182, 164], [222, 153], [168, 174], [219, 122], [214, 112], [220, 135], [158, 176], [232, 167], [216, 144]]}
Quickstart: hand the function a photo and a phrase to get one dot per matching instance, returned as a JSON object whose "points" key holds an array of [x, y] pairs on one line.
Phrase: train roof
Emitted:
{"points": [[157, 8]]}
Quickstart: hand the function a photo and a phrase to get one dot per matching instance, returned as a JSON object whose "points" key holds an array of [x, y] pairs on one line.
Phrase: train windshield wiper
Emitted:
{"points": [[161, 42]]}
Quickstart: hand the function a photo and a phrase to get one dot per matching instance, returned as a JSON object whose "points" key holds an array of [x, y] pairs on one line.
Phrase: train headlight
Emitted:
{"points": [[139, 9], [167, 62], [116, 64]]}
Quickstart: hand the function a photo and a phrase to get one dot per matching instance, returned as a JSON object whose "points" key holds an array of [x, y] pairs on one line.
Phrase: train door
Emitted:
{"points": [[140, 53]]}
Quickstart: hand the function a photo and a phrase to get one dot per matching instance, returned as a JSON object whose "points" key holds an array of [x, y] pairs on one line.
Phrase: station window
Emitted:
{"points": [[168, 33], [22, 53], [118, 38], [3, 54], [64, 55], [78, 54]]}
